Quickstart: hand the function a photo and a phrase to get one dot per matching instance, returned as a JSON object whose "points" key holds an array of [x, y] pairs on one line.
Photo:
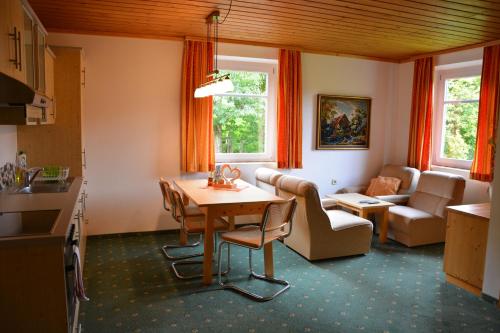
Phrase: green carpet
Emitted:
{"points": [[392, 289]]}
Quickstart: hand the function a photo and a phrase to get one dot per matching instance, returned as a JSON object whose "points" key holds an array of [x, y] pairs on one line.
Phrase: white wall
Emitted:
{"points": [[131, 128], [475, 192], [8, 144]]}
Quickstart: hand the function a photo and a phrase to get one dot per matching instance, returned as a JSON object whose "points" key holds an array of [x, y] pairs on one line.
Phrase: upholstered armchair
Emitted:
{"points": [[409, 179], [423, 220], [318, 233]]}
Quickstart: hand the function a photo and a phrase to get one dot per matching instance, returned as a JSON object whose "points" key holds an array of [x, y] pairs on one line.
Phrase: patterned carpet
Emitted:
{"points": [[392, 289]]}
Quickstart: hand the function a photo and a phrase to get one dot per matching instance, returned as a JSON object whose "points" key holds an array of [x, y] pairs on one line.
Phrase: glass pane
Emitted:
{"points": [[254, 83], [41, 61], [460, 130], [465, 88], [29, 50], [239, 124]]}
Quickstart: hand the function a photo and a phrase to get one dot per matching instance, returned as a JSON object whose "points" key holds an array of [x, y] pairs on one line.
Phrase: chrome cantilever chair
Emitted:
{"points": [[193, 224], [276, 224], [191, 211]]}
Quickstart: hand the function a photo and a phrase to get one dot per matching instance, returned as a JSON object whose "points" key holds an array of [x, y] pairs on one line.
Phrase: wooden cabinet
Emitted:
{"points": [[62, 142], [12, 51], [465, 247]]}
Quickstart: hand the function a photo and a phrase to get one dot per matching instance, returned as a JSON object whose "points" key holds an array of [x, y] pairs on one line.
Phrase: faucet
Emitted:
{"points": [[29, 175]]}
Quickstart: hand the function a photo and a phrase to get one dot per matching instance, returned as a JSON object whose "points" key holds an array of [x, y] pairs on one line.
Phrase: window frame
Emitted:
{"points": [[269, 66], [444, 73]]}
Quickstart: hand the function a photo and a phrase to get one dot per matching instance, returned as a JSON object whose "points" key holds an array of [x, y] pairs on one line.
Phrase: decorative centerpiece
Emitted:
{"points": [[224, 177]]}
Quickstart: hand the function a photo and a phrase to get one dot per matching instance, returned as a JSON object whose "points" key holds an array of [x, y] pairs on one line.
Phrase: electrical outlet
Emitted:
{"points": [[334, 181]]}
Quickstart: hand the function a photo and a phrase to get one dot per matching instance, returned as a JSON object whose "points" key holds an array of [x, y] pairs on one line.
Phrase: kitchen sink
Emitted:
{"points": [[45, 187]]}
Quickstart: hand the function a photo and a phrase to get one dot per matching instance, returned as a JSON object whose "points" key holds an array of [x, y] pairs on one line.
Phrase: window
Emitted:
{"points": [[244, 119], [457, 104]]}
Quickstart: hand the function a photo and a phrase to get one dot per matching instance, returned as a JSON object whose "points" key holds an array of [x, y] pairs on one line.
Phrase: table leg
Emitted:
{"points": [[230, 219], [384, 225], [268, 260], [363, 214], [208, 247]]}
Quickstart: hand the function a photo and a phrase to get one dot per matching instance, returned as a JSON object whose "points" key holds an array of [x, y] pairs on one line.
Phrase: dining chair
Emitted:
{"points": [[191, 211], [276, 224], [193, 224]]}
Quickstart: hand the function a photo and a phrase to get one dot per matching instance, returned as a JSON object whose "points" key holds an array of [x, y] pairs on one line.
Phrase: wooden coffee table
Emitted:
{"points": [[354, 202]]}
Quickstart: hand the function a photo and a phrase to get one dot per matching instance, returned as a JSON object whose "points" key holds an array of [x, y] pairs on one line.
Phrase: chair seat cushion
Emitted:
{"points": [[340, 220], [197, 225], [250, 236], [401, 216], [328, 203]]}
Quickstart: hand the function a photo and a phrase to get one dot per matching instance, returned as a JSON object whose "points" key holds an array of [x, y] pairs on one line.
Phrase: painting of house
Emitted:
{"points": [[343, 122]]}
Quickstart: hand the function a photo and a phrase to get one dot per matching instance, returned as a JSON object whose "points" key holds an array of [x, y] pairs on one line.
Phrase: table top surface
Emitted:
{"points": [[356, 200], [203, 195], [481, 210]]}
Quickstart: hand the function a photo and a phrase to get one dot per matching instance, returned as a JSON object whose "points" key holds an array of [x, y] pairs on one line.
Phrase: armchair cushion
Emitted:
{"points": [[328, 203], [383, 186], [340, 220], [398, 199]]}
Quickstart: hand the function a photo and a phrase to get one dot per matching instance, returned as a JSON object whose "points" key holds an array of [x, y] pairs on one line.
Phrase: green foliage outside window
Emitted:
{"points": [[239, 118], [460, 112]]}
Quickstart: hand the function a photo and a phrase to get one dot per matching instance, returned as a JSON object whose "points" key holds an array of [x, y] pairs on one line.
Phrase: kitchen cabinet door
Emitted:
{"points": [[49, 85], [12, 61]]}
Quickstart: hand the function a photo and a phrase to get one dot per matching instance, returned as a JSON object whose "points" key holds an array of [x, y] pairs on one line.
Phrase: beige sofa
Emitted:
{"points": [[266, 178], [423, 220], [409, 179], [320, 234]]}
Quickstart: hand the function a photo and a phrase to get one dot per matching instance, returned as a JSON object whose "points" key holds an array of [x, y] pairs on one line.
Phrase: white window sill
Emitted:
{"points": [[271, 164], [456, 171]]}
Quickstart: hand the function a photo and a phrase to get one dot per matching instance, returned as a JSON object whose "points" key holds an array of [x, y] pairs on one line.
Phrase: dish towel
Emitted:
{"points": [[79, 289]]}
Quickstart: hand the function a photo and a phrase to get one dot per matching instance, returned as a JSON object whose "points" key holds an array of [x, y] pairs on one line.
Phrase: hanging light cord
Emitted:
{"points": [[228, 11]]}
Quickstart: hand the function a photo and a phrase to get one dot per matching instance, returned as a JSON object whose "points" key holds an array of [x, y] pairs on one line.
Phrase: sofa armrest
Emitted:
{"points": [[353, 189], [328, 203], [398, 199]]}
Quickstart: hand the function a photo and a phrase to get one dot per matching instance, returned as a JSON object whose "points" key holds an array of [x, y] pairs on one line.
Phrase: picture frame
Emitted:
{"points": [[343, 122]]}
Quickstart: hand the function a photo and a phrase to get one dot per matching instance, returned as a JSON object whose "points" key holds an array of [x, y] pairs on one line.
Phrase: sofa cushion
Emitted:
{"points": [[340, 220], [383, 186]]}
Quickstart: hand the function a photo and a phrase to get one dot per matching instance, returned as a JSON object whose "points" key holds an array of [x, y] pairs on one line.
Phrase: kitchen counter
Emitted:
{"points": [[65, 202]]}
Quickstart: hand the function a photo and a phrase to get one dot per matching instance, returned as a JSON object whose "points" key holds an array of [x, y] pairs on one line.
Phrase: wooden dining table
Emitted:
{"points": [[249, 200]]}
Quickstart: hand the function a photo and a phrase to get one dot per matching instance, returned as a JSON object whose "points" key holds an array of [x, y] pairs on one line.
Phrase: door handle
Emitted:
{"points": [[84, 164], [20, 51]]}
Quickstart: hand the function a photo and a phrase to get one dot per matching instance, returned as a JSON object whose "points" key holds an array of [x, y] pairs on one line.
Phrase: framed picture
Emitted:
{"points": [[343, 122]]}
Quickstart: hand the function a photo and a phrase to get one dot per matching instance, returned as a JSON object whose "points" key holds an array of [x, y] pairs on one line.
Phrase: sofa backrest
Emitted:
{"points": [[309, 212], [436, 190], [266, 179], [409, 177]]}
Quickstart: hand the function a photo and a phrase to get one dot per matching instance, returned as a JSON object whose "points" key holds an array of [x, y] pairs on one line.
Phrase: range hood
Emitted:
{"points": [[20, 104]]}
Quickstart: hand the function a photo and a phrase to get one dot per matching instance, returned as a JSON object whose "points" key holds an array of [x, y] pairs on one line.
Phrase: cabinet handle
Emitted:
{"points": [[84, 72], [13, 36], [20, 50], [84, 165]]}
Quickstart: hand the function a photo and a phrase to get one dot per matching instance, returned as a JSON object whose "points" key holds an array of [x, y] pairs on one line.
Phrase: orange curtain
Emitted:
{"points": [[197, 129], [489, 100], [289, 110], [420, 142]]}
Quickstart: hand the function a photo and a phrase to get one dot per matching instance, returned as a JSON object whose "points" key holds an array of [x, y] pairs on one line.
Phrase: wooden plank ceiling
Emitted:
{"points": [[386, 29]]}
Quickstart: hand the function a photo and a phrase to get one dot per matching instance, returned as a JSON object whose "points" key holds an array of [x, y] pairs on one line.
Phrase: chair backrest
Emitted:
{"points": [[409, 177], [168, 199], [266, 179], [310, 217], [436, 190], [277, 219]]}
